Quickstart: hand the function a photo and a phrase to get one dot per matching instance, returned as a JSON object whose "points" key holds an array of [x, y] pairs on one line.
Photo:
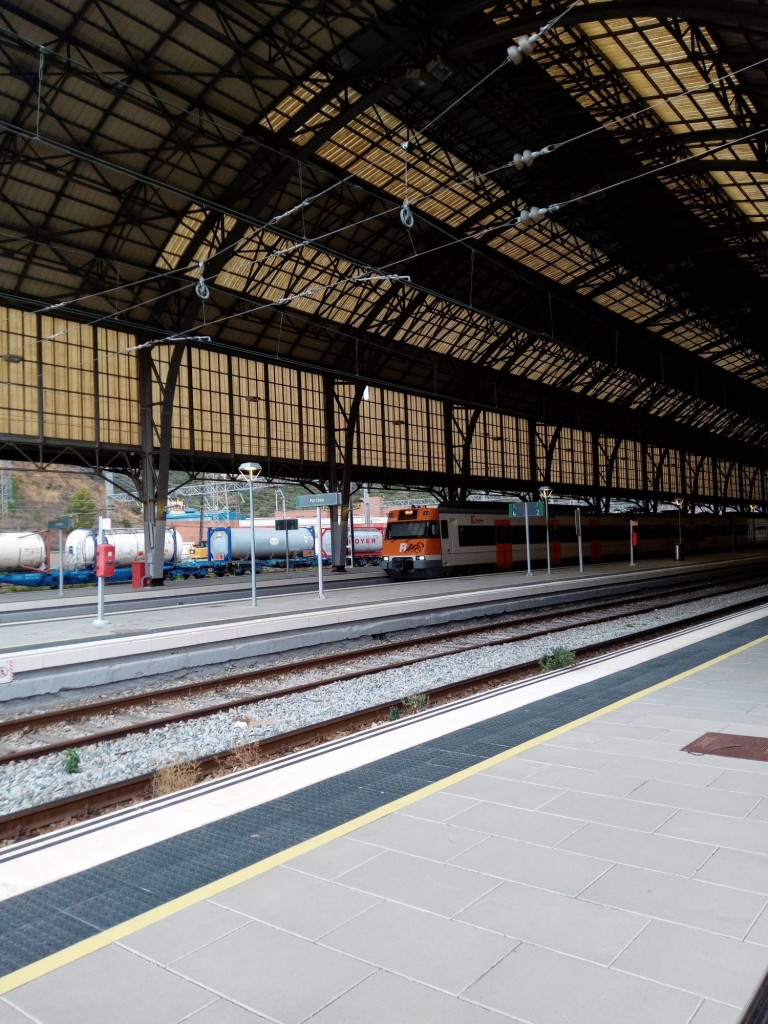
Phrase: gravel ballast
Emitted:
{"points": [[34, 782]]}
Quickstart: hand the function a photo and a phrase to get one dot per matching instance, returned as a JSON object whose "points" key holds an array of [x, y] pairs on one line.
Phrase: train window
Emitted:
{"points": [[401, 531], [477, 536], [444, 529]]}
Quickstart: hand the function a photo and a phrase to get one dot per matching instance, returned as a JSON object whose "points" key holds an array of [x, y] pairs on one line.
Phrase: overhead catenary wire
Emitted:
{"points": [[302, 205]]}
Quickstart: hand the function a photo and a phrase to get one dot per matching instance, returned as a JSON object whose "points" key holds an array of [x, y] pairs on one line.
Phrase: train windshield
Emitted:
{"points": [[401, 531]]}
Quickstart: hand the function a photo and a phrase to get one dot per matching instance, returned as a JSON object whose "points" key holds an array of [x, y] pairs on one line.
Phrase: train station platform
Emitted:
{"points": [[49, 643], [539, 855]]}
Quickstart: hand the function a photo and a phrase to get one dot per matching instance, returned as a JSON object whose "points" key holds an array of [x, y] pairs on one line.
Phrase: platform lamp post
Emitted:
{"points": [[678, 503], [250, 471], [545, 493]]}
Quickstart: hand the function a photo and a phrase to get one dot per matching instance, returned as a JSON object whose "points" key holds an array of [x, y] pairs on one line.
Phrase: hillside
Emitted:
{"points": [[40, 495]]}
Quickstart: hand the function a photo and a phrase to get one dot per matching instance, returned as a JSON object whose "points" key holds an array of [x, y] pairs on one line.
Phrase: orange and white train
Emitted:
{"points": [[445, 540]]}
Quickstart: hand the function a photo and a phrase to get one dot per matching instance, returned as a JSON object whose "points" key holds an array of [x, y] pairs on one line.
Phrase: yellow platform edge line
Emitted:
{"points": [[95, 942]]}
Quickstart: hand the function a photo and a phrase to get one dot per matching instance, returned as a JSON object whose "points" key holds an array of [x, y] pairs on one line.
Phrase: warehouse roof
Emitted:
{"points": [[555, 209]]}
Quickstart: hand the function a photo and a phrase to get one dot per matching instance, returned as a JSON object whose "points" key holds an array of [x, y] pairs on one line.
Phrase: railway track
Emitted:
{"points": [[16, 825], [37, 734]]}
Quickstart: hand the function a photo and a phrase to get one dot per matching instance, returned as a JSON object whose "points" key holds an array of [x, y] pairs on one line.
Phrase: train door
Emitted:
{"points": [[555, 544], [595, 542], [504, 552], [449, 541]]}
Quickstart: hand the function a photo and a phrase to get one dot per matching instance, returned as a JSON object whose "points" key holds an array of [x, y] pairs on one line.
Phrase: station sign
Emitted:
{"points": [[318, 500], [61, 524], [520, 509]]}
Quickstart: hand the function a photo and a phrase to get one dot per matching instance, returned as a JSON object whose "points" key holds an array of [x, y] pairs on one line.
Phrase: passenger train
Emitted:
{"points": [[445, 540]]}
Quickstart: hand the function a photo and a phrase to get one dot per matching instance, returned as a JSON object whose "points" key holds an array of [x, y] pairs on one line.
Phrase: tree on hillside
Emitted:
{"points": [[82, 508]]}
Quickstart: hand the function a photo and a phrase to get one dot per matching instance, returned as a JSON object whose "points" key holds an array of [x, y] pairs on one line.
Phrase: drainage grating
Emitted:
{"points": [[724, 744]]}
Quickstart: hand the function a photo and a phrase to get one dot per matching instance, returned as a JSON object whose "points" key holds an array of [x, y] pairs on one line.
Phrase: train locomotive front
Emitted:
{"points": [[411, 545]]}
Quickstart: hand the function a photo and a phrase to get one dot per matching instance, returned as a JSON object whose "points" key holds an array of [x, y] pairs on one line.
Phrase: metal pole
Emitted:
{"points": [[61, 563], [527, 541], [285, 527], [631, 547], [680, 525], [100, 620], [546, 514], [253, 546], [319, 550]]}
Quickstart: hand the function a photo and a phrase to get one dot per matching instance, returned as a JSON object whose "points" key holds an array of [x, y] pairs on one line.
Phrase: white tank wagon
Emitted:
{"points": [[367, 541], [25, 551], [233, 543], [80, 548]]}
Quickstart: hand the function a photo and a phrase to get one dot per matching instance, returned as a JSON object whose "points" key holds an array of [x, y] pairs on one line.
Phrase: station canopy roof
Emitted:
{"points": [[556, 209]]}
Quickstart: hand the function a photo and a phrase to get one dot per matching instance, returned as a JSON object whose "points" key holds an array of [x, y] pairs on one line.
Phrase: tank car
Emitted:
{"points": [[22, 552], [368, 543], [80, 548], [229, 547]]}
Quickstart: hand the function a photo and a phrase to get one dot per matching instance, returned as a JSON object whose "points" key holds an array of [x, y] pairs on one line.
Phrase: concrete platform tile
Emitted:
{"points": [[712, 800], [551, 753], [10, 1016], [657, 749], [557, 922], [129, 991], [516, 823], [433, 840], [680, 718], [437, 807], [713, 966], [505, 791], [716, 908], [754, 723], [573, 738], [514, 768], [751, 836], [298, 903], [759, 769], [224, 1012], [745, 781], [716, 1013], [386, 998], [679, 696], [736, 868], [539, 986], [581, 780], [608, 726], [760, 811], [447, 955], [758, 933], [643, 850], [332, 859], [439, 888], [183, 932], [690, 772], [541, 866], [278, 975], [609, 810]]}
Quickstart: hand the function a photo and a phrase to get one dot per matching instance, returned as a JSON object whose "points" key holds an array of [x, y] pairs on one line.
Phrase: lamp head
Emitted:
{"points": [[545, 492], [249, 470], [678, 502]]}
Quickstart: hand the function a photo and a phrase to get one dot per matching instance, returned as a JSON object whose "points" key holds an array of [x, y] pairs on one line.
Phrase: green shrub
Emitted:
{"points": [[394, 713], [560, 657], [71, 761], [416, 702]]}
